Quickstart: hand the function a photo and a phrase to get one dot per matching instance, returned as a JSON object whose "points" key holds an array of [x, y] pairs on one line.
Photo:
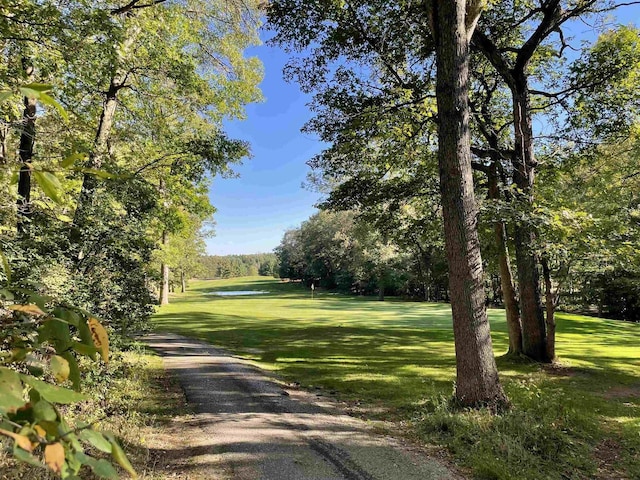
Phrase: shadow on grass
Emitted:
{"points": [[400, 356], [356, 358]]}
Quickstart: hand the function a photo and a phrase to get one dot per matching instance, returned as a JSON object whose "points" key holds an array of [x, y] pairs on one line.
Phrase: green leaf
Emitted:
{"points": [[87, 339], [53, 393], [71, 159], [10, 391], [50, 427], [39, 87], [30, 92], [74, 370], [104, 469], [86, 350], [6, 294], [43, 410], [26, 457], [60, 368], [67, 315], [73, 439], [47, 100], [96, 439], [56, 331], [82, 457], [100, 173], [101, 467], [119, 456], [35, 370], [40, 300], [49, 183], [5, 95]]}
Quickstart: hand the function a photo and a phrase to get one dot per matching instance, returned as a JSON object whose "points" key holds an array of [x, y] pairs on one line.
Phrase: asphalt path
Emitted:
{"points": [[250, 426]]}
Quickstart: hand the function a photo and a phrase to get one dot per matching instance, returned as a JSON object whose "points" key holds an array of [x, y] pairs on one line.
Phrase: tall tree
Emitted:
{"points": [[514, 38], [453, 23], [394, 55]]}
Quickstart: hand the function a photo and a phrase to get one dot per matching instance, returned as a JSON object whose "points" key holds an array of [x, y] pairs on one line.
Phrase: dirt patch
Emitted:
{"points": [[560, 370], [607, 454], [625, 391]]}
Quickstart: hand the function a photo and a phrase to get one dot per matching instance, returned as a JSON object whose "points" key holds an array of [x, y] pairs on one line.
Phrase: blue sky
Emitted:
{"points": [[254, 210]]}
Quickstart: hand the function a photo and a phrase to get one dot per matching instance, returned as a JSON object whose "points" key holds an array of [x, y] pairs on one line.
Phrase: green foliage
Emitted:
{"points": [[588, 208], [230, 266], [338, 250], [609, 72], [36, 344], [145, 89]]}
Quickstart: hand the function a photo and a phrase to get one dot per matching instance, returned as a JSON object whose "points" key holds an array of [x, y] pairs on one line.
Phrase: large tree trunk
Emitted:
{"points": [[506, 278], [381, 284], [183, 282], [534, 337], [25, 152], [550, 303], [477, 376]]}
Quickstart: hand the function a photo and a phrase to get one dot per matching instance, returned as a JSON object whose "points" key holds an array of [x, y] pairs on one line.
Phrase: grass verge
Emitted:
{"points": [[579, 420]]}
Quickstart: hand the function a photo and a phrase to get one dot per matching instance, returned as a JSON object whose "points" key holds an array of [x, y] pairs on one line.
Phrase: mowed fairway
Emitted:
{"points": [[581, 420]]}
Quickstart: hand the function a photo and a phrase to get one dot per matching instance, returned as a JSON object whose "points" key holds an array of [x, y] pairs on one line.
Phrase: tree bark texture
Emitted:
{"points": [[509, 297], [550, 303], [533, 324], [25, 153], [4, 138], [477, 375]]}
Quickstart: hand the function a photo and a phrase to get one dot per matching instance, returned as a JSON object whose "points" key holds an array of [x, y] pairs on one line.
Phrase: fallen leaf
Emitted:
{"points": [[54, 456]]}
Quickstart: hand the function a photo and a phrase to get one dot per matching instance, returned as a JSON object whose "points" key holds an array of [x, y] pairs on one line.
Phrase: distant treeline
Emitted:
{"points": [[229, 266], [339, 251]]}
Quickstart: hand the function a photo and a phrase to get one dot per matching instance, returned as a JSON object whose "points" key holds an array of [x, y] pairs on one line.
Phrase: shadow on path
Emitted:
{"points": [[247, 427]]}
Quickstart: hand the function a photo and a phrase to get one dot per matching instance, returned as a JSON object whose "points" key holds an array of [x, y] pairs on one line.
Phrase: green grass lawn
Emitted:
{"points": [[581, 420]]}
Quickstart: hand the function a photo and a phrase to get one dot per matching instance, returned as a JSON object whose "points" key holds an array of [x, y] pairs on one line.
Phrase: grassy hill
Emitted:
{"points": [[395, 360]]}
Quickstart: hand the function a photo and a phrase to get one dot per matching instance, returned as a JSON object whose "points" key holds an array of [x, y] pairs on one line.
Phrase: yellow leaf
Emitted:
{"points": [[59, 368], [30, 309], [100, 338], [54, 456], [22, 441], [40, 431]]}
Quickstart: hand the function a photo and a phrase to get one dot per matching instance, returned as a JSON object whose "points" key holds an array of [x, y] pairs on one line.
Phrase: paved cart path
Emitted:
{"points": [[247, 427]]}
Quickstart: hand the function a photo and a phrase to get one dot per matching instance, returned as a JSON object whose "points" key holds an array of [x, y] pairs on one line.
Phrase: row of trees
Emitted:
{"points": [[110, 125], [229, 266], [337, 250], [340, 250], [413, 97]]}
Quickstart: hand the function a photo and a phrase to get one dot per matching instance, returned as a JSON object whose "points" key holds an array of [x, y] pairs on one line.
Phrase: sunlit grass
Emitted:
{"points": [[400, 356]]}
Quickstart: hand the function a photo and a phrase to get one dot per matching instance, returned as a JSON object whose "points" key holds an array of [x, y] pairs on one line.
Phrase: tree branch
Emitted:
{"points": [[134, 5]]}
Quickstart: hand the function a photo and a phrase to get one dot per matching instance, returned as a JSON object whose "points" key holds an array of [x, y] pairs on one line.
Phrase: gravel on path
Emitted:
{"points": [[248, 427]]}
